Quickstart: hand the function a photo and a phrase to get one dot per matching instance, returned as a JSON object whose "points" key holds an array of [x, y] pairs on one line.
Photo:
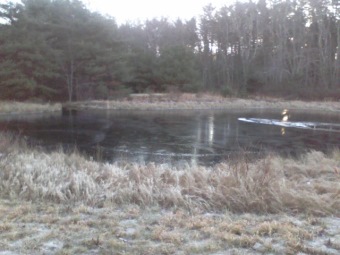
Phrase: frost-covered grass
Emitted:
{"points": [[270, 185], [9, 107], [49, 228], [67, 204]]}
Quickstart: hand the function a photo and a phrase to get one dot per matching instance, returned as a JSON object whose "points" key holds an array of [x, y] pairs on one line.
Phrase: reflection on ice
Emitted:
{"points": [[194, 158], [211, 129], [285, 115]]}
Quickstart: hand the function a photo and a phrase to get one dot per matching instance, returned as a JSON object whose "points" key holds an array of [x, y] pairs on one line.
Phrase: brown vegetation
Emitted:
{"points": [[269, 185], [158, 209], [201, 102], [10, 107], [48, 228]]}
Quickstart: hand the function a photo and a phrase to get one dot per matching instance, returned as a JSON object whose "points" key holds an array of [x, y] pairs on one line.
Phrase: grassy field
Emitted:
{"points": [[54, 203]]}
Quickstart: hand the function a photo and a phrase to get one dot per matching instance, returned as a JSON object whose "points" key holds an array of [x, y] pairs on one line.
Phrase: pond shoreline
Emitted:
{"points": [[62, 203], [163, 102], [152, 103]]}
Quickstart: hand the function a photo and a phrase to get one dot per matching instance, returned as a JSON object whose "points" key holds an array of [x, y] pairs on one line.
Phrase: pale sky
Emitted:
{"points": [[134, 10], [140, 10]]}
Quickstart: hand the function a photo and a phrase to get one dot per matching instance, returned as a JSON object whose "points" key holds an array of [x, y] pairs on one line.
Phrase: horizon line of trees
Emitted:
{"points": [[60, 50]]}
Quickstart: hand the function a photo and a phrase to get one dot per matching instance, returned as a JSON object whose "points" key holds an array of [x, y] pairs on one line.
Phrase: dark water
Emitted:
{"points": [[205, 137]]}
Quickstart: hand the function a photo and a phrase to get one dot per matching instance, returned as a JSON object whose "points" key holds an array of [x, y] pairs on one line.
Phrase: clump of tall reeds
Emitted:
{"points": [[269, 185]]}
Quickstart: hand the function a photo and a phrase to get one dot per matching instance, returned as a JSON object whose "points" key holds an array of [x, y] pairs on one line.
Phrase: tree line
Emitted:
{"points": [[60, 50]]}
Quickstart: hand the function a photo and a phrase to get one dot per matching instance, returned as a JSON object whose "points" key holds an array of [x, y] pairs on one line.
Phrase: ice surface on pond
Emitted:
{"points": [[197, 137], [320, 126]]}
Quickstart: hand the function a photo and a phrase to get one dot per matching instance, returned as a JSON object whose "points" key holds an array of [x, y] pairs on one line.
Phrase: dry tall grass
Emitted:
{"points": [[9, 107], [273, 184]]}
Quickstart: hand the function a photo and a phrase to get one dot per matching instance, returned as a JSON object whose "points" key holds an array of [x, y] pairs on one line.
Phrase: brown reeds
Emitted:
{"points": [[270, 185]]}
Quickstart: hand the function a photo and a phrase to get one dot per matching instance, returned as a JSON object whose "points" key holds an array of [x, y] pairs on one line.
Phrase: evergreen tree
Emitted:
{"points": [[58, 49], [25, 67]]}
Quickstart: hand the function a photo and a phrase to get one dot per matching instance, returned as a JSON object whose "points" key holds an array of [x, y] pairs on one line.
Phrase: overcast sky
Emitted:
{"points": [[134, 10], [140, 10]]}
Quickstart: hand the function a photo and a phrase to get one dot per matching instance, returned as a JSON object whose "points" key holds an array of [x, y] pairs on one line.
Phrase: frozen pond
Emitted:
{"points": [[197, 137]]}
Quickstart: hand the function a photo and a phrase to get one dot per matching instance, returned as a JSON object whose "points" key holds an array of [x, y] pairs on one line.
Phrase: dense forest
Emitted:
{"points": [[61, 50]]}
